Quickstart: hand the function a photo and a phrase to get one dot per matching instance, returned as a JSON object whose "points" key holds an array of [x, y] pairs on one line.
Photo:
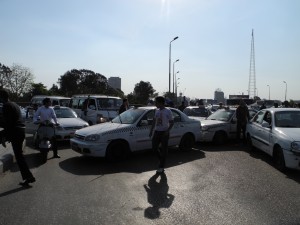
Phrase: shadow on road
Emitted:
{"points": [[137, 163], [157, 195]]}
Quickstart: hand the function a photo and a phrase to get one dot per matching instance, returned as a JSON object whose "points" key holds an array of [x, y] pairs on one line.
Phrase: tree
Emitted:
{"points": [[54, 90], [4, 74], [142, 92], [19, 81], [82, 82]]}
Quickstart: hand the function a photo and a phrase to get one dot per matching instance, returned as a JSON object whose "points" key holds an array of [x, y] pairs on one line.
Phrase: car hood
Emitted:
{"points": [[101, 128], [197, 118], [291, 133], [71, 122], [212, 122]]}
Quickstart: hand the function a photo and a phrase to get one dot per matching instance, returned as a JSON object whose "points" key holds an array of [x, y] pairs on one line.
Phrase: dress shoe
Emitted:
{"points": [[25, 183], [56, 156]]}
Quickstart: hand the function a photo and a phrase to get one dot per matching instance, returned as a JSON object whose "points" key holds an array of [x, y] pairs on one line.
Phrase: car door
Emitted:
{"points": [[179, 128], [255, 129], [266, 132], [140, 134]]}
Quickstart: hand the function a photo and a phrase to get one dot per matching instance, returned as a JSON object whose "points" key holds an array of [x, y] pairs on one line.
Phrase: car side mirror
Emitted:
{"points": [[144, 123], [265, 124]]}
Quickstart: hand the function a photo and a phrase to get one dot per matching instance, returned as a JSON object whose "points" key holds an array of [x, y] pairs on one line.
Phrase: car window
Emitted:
{"points": [[268, 117], [148, 117], [65, 113], [222, 115], [258, 118], [287, 119], [129, 116], [176, 116], [197, 112]]}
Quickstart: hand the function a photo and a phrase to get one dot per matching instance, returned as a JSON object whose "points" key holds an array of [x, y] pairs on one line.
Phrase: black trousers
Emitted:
{"points": [[241, 127], [17, 144], [161, 138]]}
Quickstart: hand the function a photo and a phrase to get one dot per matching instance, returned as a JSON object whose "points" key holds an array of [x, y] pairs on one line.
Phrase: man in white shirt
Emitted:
{"points": [[46, 115], [162, 124]]}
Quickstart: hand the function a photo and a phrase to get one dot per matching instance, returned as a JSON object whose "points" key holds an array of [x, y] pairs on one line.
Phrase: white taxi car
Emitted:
{"points": [[221, 125], [276, 131], [129, 132]]}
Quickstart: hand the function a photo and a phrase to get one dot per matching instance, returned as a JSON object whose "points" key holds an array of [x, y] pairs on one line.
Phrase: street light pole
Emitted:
{"points": [[173, 75], [285, 90], [170, 63], [269, 91]]}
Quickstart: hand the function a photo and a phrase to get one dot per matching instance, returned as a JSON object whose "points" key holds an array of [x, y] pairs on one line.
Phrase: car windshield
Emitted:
{"points": [[128, 117], [287, 119], [65, 113], [197, 112], [221, 115]]}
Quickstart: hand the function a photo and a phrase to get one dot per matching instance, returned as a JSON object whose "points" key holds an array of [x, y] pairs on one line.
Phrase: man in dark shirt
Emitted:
{"points": [[124, 106], [14, 132], [242, 116]]}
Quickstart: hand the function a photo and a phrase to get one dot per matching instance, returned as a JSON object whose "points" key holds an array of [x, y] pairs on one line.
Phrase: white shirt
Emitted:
{"points": [[43, 113], [163, 118]]}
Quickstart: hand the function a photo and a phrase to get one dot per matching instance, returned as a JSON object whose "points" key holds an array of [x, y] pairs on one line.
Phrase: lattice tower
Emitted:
{"points": [[252, 78]]}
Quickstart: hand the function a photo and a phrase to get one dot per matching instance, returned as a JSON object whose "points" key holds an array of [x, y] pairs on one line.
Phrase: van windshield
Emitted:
{"points": [[109, 103]]}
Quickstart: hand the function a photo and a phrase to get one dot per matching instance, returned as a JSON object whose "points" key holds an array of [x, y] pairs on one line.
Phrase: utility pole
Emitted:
{"points": [[252, 75]]}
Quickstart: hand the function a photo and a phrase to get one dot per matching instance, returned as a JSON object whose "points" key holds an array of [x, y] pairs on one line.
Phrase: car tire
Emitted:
{"points": [[187, 142], [279, 159], [220, 138], [117, 151]]}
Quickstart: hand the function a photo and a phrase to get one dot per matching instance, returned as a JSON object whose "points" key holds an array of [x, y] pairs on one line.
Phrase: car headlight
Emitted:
{"points": [[295, 146], [204, 128], [92, 137]]}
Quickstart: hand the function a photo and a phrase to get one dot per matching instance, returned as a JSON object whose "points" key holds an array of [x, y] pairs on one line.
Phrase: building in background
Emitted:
{"points": [[115, 82], [219, 96]]}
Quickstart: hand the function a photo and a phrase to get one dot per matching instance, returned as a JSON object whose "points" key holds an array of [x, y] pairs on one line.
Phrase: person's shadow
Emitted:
{"points": [[158, 196]]}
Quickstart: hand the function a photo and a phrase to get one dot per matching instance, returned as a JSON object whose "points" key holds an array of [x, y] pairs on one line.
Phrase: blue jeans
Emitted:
{"points": [[161, 138]]}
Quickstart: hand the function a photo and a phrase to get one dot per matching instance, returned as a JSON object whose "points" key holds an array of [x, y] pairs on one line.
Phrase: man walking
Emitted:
{"points": [[14, 132], [162, 124]]}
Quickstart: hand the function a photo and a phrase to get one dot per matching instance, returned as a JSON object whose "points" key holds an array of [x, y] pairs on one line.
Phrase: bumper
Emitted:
{"points": [[88, 148], [207, 136], [64, 135], [292, 161]]}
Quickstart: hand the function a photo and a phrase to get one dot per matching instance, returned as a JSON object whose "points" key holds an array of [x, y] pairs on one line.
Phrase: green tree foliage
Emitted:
{"points": [[84, 82], [54, 90], [38, 89], [142, 92]]}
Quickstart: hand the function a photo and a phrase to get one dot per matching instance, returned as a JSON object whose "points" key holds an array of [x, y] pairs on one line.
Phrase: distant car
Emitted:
{"points": [[129, 132], [221, 125], [276, 131], [68, 121], [197, 111]]}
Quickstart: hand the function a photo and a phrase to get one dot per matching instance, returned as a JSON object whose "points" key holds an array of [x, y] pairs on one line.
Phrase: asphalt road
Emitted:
{"points": [[209, 185]]}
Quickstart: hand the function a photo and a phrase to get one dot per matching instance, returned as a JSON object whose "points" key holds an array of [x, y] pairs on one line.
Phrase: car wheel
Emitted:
{"points": [[187, 142], [279, 159], [117, 151], [219, 138]]}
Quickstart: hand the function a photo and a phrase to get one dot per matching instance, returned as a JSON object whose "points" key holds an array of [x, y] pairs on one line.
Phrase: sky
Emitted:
{"points": [[131, 39]]}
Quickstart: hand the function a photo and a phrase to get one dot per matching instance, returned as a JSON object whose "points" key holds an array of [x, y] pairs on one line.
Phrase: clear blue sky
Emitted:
{"points": [[130, 39]]}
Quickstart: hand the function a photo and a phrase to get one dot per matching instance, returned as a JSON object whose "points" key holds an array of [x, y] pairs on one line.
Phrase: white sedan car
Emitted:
{"points": [[276, 131], [221, 125], [129, 132]]}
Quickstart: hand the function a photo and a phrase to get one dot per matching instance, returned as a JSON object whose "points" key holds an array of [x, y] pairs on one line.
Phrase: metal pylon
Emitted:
{"points": [[252, 79]]}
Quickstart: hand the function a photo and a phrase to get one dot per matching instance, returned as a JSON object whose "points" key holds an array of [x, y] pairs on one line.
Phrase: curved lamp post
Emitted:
{"points": [[170, 63]]}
